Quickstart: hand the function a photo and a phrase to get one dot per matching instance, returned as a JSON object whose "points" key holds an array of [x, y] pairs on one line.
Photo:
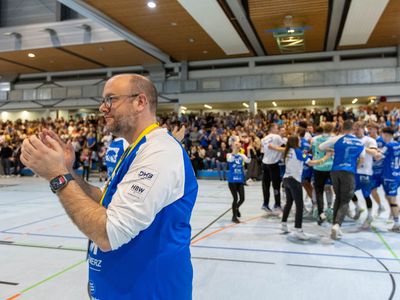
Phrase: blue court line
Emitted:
{"points": [[34, 222], [295, 252], [45, 235]]}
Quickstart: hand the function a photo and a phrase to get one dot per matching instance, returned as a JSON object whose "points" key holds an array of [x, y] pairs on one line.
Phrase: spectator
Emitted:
{"points": [[210, 158]]}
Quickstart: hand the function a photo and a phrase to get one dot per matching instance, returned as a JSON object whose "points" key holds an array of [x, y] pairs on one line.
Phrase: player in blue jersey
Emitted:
{"points": [[349, 152], [364, 171], [140, 224], [377, 166], [236, 177], [307, 170], [391, 173], [295, 159]]}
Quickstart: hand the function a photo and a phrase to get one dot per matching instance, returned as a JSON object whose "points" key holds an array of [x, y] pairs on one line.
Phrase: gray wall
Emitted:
{"points": [[25, 12]]}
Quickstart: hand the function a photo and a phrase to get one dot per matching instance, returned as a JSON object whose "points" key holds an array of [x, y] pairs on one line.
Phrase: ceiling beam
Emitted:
{"points": [[92, 13], [334, 24], [240, 14]]}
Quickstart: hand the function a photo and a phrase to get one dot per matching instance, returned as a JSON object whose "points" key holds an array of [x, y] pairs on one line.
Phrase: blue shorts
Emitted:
{"points": [[376, 180], [363, 183], [307, 174], [390, 186]]}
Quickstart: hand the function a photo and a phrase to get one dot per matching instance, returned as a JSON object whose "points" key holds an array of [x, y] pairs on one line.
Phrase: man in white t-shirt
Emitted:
{"points": [[272, 148], [364, 172]]}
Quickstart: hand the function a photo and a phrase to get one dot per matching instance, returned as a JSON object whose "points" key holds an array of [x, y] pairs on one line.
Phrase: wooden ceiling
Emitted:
{"points": [[78, 57], [387, 31], [170, 28], [268, 15], [155, 26], [113, 54]]}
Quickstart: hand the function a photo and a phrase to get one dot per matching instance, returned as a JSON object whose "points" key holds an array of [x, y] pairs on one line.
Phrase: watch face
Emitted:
{"points": [[57, 182]]}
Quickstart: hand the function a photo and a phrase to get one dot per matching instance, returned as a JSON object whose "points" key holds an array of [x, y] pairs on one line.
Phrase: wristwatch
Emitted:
{"points": [[59, 182]]}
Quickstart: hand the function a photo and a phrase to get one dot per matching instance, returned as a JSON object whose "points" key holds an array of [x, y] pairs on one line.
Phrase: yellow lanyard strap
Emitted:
{"points": [[126, 153]]}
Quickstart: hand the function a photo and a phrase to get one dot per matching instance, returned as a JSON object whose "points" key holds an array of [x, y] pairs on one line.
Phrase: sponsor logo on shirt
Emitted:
{"points": [[137, 189], [145, 175]]}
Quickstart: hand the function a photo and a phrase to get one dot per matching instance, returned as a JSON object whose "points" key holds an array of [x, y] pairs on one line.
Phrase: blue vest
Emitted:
{"points": [[156, 263], [236, 170], [347, 151]]}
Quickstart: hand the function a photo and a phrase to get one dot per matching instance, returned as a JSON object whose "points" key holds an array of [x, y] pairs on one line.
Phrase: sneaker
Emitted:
{"points": [[235, 220], [284, 228], [266, 208], [336, 233], [381, 210], [358, 212], [321, 219], [300, 235], [395, 228], [367, 223]]}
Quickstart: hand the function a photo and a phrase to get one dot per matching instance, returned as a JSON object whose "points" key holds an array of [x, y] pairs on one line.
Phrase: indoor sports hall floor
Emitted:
{"points": [[42, 255]]}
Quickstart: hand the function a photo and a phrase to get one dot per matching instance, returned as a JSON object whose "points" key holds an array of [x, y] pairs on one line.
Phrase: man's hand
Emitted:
{"points": [[69, 152], [47, 162], [179, 134]]}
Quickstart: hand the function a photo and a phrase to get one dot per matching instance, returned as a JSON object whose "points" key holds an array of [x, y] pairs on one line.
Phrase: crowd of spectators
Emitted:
{"points": [[207, 139]]}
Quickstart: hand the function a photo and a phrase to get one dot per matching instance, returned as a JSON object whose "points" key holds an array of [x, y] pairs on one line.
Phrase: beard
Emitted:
{"points": [[121, 126]]}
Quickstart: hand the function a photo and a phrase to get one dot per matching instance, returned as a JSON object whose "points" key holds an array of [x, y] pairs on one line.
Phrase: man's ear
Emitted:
{"points": [[142, 102]]}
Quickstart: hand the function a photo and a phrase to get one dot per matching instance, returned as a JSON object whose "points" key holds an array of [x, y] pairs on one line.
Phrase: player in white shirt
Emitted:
{"points": [[271, 146], [295, 159], [364, 171]]}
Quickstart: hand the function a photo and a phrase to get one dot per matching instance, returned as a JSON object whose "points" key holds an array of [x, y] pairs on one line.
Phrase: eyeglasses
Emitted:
{"points": [[108, 100]]}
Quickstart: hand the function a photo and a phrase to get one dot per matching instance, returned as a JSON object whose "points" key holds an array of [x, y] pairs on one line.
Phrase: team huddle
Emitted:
{"points": [[358, 158]]}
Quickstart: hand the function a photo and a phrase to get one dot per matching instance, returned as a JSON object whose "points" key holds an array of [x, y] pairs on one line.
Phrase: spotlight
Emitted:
{"points": [[152, 4]]}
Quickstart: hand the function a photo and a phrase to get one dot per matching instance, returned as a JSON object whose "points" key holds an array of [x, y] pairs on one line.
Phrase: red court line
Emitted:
{"points": [[13, 297], [224, 228]]}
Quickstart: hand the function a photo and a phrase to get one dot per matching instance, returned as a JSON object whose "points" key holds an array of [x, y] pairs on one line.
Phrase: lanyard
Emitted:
{"points": [[126, 153]]}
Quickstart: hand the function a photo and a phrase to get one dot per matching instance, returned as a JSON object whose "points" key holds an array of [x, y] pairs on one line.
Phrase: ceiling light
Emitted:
{"points": [[290, 31], [313, 102], [207, 106], [212, 18], [174, 23], [205, 51], [354, 100], [361, 21], [274, 104], [152, 4], [184, 107], [31, 55], [245, 105], [191, 40]]}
